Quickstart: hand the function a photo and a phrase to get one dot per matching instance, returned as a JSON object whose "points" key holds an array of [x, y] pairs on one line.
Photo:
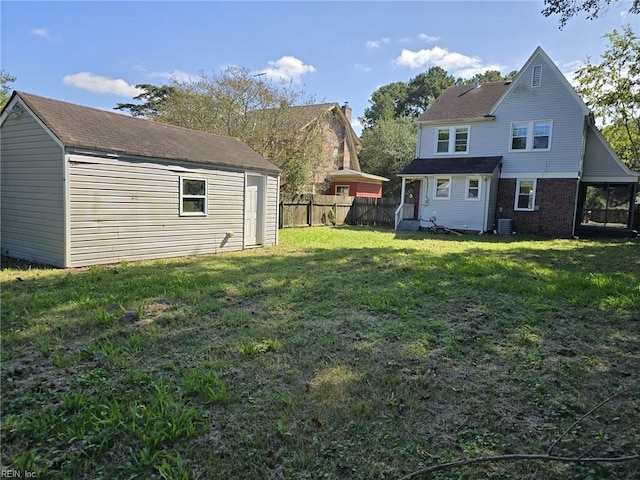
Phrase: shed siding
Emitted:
{"points": [[129, 210], [272, 207], [32, 198]]}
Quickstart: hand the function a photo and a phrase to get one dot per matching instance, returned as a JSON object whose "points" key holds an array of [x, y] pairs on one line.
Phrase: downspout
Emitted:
{"points": [[485, 210]]}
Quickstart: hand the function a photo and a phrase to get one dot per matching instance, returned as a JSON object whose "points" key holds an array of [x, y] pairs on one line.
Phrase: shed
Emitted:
{"points": [[82, 186]]}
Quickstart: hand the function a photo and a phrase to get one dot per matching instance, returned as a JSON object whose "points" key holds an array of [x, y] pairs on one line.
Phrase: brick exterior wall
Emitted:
{"points": [[555, 201], [333, 136]]}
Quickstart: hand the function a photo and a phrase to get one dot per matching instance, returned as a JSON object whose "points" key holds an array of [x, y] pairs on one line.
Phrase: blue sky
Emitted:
{"points": [[94, 53]]}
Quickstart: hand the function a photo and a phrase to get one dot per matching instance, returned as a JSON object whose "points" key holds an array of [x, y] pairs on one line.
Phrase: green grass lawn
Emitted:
{"points": [[342, 353]]}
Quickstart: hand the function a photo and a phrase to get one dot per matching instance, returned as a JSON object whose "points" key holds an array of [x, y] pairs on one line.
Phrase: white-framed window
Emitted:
{"points": [[536, 78], [531, 136], [342, 190], [443, 188], [452, 139], [473, 189], [193, 196], [525, 194]]}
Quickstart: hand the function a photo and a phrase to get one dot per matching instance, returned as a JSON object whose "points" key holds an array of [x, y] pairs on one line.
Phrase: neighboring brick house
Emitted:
{"points": [[523, 155], [338, 170]]}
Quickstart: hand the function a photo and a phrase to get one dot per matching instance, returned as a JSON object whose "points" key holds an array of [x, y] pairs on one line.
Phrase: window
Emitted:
{"points": [[541, 134], [473, 188], [193, 196], [525, 194], [443, 140], [443, 188], [529, 136], [342, 190], [536, 79], [336, 156], [452, 140]]}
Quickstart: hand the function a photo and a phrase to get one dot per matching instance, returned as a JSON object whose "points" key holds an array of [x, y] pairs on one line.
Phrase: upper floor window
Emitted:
{"points": [[193, 196], [536, 78], [534, 135], [452, 140]]}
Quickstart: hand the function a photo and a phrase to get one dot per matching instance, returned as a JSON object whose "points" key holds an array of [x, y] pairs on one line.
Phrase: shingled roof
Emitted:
{"points": [[452, 165], [465, 102], [98, 130]]}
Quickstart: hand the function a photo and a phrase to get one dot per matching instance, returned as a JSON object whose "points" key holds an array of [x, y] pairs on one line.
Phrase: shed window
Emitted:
{"points": [[193, 196]]}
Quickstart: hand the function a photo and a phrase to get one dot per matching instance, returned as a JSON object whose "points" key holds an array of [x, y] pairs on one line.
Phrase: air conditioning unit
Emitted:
{"points": [[505, 226]]}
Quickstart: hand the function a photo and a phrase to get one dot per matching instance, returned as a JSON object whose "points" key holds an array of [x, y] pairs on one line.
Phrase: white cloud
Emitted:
{"points": [[98, 84], [570, 69], [41, 32], [453, 62], [176, 75], [287, 68], [361, 68], [377, 43], [427, 38]]}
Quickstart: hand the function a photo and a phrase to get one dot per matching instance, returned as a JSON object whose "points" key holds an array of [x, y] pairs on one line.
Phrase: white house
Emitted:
{"points": [[523, 155], [82, 186]]}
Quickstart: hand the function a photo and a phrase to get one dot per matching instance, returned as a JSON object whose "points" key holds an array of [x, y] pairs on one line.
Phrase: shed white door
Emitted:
{"points": [[251, 215]]}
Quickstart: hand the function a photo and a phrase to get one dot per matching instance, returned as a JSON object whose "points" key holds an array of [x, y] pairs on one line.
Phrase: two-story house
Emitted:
{"points": [[337, 169], [523, 155]]}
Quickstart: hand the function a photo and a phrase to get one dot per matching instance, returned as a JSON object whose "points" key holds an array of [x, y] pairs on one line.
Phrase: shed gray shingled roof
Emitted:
{"points": [[98, 130], [451, 166], [463, 102]]}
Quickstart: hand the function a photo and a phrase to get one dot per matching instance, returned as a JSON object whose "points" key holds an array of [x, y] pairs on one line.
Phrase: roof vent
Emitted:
{"points": [[536, 80]]}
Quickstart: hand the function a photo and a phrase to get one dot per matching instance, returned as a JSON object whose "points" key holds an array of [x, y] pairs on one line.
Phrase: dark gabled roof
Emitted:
{"points": [[98, 130], [463, 102], [452, 166]]}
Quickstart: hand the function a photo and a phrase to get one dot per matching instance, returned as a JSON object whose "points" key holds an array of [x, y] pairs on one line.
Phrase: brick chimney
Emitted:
{"points": [[346, 109]]}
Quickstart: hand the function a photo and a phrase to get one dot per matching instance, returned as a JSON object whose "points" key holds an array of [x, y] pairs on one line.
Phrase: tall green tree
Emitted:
{"points": [[611, 89], [424, 88], [570, 8], [390, 145], [6, 80], [386, 102], [150, 100]]}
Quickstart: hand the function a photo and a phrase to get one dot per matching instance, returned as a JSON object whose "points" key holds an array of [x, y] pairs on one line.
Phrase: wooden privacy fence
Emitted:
{"points": [[307, 210]]}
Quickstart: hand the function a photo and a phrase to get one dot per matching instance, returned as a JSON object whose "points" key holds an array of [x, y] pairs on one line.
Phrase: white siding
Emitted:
{"points": [[601, 163], [129, 210], [550, 101], [32, 198], [456, 212]]}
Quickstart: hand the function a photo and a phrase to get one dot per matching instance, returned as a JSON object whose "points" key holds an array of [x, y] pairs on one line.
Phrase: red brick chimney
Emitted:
{"points": [[346, 109]]}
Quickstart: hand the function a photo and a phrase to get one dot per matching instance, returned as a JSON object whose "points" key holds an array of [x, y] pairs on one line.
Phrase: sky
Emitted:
{"points": [[94, 53]]}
